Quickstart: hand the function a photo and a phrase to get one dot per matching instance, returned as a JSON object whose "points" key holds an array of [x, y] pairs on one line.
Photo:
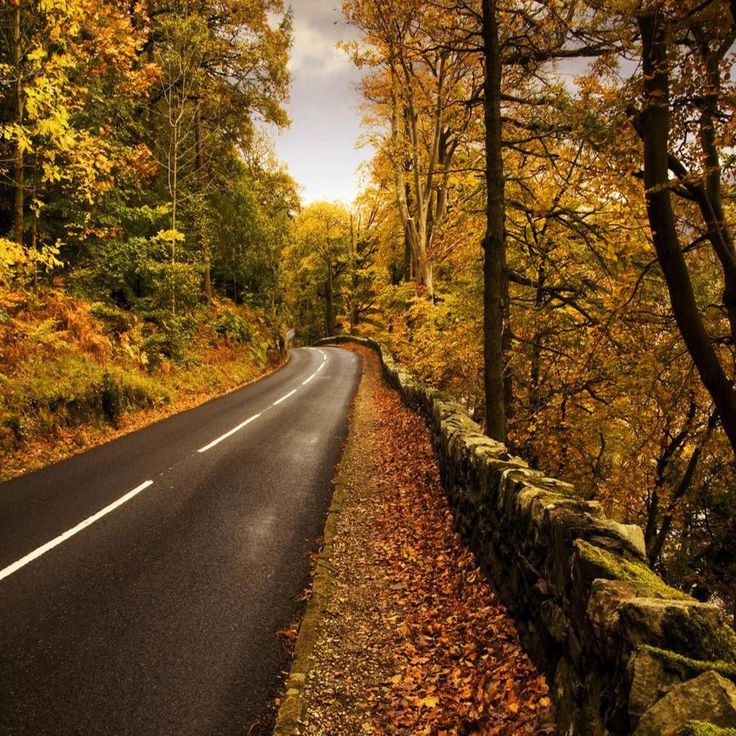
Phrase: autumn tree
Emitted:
{"points": [[597, 386], [418, 87], [700, 33], [319, 260], [60, 141]]}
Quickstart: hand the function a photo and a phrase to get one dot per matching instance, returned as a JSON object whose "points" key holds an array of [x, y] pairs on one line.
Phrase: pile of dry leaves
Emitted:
{"points": [[414, 640]]}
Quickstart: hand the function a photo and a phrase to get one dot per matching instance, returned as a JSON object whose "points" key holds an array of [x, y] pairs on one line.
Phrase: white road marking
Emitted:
{"points": [[78, 528], [283, 398], [10, 569], [229, 434]]}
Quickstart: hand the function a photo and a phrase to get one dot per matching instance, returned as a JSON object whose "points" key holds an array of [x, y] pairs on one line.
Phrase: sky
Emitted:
{"points": [[320, 148]]}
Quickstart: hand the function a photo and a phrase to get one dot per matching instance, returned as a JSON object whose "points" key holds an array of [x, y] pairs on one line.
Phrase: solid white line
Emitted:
{"points": [[283, 398], [304, 383], [229, 434], [78, 528], [322, 365]]}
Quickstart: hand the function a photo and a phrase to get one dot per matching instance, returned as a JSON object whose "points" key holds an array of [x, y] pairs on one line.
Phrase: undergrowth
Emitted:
{"points": [[73, 372]]}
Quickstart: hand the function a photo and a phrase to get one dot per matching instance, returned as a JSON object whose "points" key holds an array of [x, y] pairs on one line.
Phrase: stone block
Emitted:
{"points": [[650, 680], [708, 697]]}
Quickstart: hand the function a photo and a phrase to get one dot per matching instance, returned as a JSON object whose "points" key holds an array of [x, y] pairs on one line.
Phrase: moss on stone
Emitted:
{"points": [[701, 728], [689, 666], [694, 632], [635, 573]]}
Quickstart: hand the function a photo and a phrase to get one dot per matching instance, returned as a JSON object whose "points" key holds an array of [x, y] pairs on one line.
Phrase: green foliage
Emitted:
{"points": [[166, 337], [68, 392], [114, 320], [233, 327], [149, 201], [67, 367]]}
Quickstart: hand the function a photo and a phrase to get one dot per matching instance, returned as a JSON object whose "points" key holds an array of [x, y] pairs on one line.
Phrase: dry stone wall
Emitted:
{"points": [[624, 653]]}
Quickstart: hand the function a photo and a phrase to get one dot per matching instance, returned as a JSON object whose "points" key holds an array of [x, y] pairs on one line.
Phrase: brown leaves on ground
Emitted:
{"points": [[455, 665]]}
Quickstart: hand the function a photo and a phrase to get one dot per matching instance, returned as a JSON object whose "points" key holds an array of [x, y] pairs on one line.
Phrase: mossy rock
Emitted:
{"points": [[616, 567], [708, 698], [688, 667], [702, 728], [693, 633]]}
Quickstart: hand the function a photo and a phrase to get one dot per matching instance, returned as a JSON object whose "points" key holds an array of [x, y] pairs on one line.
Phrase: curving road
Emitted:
{"points": [[142, 583]]}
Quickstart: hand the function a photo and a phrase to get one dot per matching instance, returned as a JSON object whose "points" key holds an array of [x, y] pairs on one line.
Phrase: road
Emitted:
{"points": [[143, 583]]}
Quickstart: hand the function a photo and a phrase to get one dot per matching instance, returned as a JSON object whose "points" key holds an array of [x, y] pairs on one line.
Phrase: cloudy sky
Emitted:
{"points": [[320, 147]]}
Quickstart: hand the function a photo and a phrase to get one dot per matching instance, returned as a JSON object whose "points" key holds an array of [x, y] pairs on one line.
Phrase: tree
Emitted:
{"points": [[417, 85], [359, 291], [321, 253], [494, 244], [64, 147], [221, 69], [711, 43]]}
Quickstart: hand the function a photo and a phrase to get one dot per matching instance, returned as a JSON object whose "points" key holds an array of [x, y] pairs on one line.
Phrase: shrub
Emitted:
{"points": [[114, 320], [233, 327]]}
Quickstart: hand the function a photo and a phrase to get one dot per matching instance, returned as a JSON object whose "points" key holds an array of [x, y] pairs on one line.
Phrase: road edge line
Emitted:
{"points": [[293, 706]]}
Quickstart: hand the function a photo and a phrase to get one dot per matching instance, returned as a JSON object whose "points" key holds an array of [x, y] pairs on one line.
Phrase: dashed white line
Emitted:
{"points": [[283, 398], [10, 569], [229, 434]]}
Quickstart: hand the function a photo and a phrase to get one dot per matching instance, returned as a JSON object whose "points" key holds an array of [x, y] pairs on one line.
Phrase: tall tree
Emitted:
{"points": [[494, 243], [419, 85], [654, 125]]}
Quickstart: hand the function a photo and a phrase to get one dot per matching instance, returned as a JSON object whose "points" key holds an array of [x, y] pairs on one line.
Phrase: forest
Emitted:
{"points": [[142, 209], [545, 231]]}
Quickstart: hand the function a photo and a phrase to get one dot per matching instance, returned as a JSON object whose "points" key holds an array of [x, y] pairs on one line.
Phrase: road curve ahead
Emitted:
{"points": [[142, 583]]}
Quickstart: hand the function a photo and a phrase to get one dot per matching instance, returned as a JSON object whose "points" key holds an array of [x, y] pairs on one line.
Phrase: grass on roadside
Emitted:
{"points": [[74, 373]]}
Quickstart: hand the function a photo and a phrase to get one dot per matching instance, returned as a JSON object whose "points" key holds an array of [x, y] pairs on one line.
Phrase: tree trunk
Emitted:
{"points": [[352, 303], [508, 379], [655, 123], [34, 235], [494, 242], [329, 303], [411, 202], [202, 181], [19, 163]]}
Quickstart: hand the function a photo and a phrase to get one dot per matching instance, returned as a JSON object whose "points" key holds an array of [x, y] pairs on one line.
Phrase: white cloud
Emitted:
{"points": [[320, 147], [316, 51]]}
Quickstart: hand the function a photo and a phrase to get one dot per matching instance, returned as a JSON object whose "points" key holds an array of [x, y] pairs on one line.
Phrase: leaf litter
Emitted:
{"points": [[413, 640]]}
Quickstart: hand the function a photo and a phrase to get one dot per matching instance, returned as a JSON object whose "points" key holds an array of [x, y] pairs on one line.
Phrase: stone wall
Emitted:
{"points": [[624, 652]]}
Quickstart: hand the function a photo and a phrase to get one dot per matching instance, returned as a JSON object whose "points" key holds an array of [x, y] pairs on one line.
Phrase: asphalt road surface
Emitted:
{"points": [[143, 583]]}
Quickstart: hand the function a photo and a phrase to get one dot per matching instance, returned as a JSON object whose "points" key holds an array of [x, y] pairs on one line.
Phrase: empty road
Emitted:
{"points": [[143, 582]]}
